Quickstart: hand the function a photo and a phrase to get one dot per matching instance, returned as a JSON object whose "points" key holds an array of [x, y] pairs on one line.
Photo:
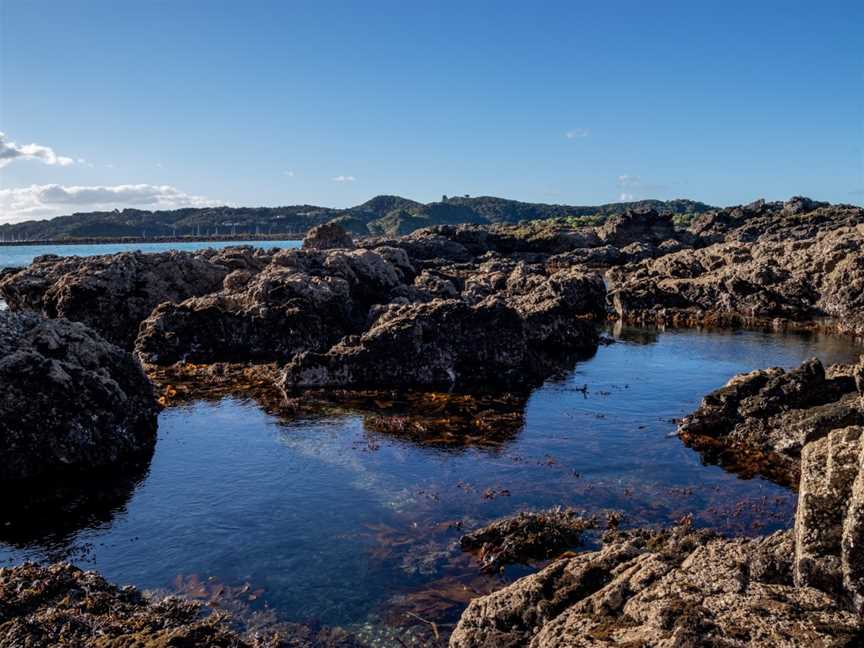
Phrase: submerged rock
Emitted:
{"points": [[669, 588], [60, 605], [527, 536], [69, 400], [111, 294]]}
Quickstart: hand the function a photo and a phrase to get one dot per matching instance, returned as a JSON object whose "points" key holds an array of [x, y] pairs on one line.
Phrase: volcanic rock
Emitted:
{"points": [[112, 294], [69, 400], [328, 236], [669, 588]]}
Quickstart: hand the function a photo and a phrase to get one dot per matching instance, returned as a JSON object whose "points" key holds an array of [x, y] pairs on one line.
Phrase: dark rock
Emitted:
{"points": [[328, 236], [69, 400], [112, 294], [443, 344], [527, 536], [646, 227], [774, 412], [61, 606], [304, 300]]}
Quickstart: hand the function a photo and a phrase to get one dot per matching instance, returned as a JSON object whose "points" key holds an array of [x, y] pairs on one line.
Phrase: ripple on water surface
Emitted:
{"points": [[340, 523]]}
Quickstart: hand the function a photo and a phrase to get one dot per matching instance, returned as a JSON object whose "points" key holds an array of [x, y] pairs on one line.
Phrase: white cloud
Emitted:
{"points": [[633, 188], [344, 178], [629, 181], [290, 174], [47, 201], [10, 151], [577, 133]]}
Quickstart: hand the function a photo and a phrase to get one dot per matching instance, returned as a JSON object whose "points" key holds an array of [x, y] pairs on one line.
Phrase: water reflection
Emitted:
{"points": [[349, 513], [49, 514]]}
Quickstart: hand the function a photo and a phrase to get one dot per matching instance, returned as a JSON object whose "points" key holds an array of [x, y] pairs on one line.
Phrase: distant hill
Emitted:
{"points": [[384, 215]]}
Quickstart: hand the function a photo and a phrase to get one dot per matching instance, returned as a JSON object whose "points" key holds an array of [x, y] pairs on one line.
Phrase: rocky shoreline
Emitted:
{"points": [[469, 313]]}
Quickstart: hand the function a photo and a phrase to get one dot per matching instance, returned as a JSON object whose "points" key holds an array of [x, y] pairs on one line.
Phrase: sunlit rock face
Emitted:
{"points": [[669, 588], [69, 400], [112, 294]]}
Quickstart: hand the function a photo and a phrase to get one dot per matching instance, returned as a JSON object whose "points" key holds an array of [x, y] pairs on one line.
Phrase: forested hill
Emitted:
{"points": [[380, 215]]}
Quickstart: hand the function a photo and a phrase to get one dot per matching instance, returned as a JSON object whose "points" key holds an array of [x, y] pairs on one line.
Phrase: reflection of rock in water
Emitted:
{"points": [[759, 421], [427, 418], [49, 513], [635, 334]]}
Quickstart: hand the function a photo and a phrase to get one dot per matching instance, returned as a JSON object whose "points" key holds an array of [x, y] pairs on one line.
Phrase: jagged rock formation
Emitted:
{"points": [[770, 414], [796, 219], [61, 606], [111, 294], [303, 300], [69, 400], [369, 318], [679, 587], [527, 536], [801, 264], [327, 237]]}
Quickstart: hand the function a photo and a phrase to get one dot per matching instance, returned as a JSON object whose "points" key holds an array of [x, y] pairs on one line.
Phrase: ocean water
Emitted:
{"points": [[14, 256], [338, 522]]}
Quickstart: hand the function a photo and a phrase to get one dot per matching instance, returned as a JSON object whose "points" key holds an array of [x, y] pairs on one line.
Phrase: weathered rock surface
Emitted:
{"points": [[772, 414], [69, 400], [796, 219], [112, 294], [60, 605], [368, 318], [497, 336], [443, 344], [829, 525], [327, 237], [646, 227], [303, 300], [669, 588], [767, 282], [527, 536]]}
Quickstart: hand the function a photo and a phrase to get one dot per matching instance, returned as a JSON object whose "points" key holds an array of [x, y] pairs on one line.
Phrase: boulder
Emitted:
{"points": [[633, 226], [303, 300], [70, 401], [773, 414], [816, 282], [679, 587], [62, 606], [112, 294], [443, 344], [328, 236], [527, 536]]}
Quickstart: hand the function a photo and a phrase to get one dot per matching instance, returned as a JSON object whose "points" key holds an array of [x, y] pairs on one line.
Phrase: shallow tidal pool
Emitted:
{"points": [[328, 520]]}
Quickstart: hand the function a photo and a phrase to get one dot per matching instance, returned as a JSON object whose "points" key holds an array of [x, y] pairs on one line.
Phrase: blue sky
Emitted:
{"points": [[155, 104]]}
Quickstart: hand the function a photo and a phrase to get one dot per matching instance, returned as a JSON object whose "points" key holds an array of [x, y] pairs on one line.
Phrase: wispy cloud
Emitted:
{"points": [[633, 188], [47, 201], [290, 174], [344, 178], [10, 151], [577, 133], [629, 181]]}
